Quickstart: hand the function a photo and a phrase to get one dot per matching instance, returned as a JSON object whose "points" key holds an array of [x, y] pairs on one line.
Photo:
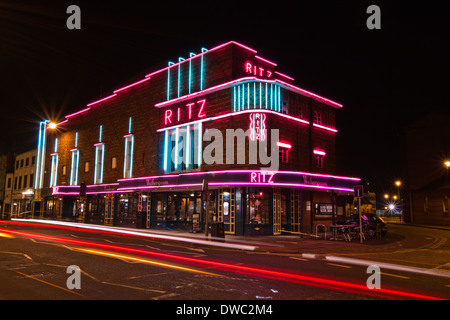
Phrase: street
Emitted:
{"points": [[34, 261]]}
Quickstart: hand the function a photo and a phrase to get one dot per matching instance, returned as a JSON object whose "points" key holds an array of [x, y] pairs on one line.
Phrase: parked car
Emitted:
{"points": [[370, 220]]}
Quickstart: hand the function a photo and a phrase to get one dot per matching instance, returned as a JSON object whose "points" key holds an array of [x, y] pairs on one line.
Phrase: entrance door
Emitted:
{"points": [[226, 206], [276, 212], [295, 211]]}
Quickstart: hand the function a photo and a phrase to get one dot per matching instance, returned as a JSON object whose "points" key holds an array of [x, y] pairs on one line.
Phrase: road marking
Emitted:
{"points": [[430, 272], [394, 275], [297, 258], [50, 284], [339, 265]]}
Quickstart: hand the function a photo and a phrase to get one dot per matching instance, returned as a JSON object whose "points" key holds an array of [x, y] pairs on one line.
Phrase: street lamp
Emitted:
{"points": [[398, 183], [52, 125]]}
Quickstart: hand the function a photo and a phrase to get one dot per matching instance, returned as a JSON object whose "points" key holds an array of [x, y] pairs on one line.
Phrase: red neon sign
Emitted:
{"points": [[192, 111], [257, 70], [257, 126]]}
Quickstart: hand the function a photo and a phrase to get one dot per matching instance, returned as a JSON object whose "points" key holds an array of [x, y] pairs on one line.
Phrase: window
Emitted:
{"points": [[128, 158], [33, 160], [317, 118], [181, 151], [31, 179], [25, 181], [319, 160], [74, 167], [17, 164], [64, 170], [54, 170], [300, 112], [20, 182], [21, 163], [9, 183], [27, 162], [99, 159], [114, 162], [284, 107], [86, 166], [283, 154]]}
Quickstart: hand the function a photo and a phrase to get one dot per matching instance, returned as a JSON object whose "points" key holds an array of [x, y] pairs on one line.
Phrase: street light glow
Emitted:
{"points": [[52, 125], [447, 164], [398, 183]]}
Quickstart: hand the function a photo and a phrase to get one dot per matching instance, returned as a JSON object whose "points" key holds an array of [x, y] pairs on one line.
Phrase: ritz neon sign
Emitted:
{"points": [[192, 111], [257, 70], [261, 177]]}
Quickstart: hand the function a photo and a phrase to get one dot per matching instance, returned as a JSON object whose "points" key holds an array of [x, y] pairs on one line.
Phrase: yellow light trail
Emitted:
{"points": [[142, 260], [6, 235]]}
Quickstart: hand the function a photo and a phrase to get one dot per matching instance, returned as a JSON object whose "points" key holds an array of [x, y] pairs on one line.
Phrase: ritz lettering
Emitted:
{"points": [[192, 111], [257, 70], [261, 177]]}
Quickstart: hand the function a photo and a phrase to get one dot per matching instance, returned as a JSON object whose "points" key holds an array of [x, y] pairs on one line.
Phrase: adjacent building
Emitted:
{"points": [[426, 150], [221, 130]]}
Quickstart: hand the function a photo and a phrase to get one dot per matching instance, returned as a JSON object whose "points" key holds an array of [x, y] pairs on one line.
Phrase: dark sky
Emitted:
{"points": [[384, 78]]}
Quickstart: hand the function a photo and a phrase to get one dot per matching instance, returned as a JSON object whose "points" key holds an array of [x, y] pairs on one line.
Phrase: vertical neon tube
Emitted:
{"points": [[125, 159], [36, 179], [76, 139], [130, 172], [56, 145], [202, 68], [176, 148], [168, 80], [188, 145], [243, 97], [266, 104], [248, 95], [96, 165], [42, 153], [166, 142], [254, 95], [260, 95], [179, 77], [72, 169], [234, 99], [279, 98], [190, 72], [199, 147], [101, 165]]}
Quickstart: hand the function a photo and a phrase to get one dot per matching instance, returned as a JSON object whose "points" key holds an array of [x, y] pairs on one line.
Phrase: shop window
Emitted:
{"points": [[257, 207]]}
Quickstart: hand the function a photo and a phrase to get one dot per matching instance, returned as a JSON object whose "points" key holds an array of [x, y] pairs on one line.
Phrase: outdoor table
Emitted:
{"points": [[344, 229]]}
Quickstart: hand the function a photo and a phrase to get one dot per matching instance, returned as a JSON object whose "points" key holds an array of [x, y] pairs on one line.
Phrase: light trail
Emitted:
{"points": [[257, 271]]}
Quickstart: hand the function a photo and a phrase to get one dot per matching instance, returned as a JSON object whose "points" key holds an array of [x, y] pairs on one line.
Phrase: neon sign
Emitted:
{"points": [[257, 70], [261, 177], [257, 126], [192, 111]]}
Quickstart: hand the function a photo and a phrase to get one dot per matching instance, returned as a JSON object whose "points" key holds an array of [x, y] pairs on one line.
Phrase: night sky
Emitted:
{"points": [[384, 78]]}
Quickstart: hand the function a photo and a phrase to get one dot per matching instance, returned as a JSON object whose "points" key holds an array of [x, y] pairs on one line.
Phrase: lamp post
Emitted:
{"points": [[398, 183]]}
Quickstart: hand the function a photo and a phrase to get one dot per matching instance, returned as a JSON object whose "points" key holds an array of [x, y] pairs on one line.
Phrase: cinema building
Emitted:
{"points": [[144, 154]]}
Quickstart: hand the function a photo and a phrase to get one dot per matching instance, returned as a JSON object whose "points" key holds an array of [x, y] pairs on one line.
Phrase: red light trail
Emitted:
{"points": [[257, 271]]}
